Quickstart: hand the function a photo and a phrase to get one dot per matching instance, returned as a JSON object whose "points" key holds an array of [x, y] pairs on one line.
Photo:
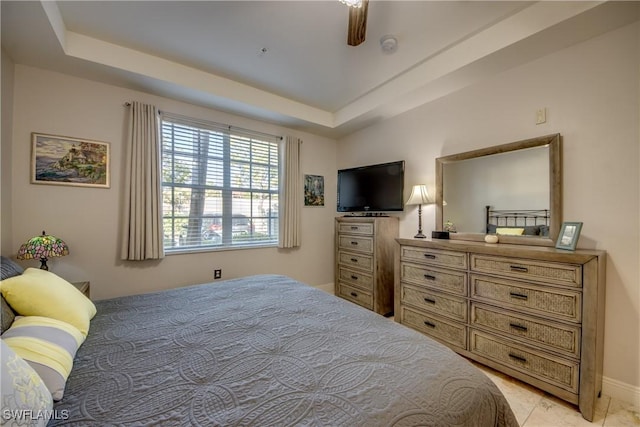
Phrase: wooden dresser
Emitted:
{"points": [[364, 261], [535, 313]]}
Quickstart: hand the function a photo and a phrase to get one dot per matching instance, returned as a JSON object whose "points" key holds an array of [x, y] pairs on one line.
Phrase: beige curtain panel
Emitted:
{"points": [[142, 220], [290, 194]]}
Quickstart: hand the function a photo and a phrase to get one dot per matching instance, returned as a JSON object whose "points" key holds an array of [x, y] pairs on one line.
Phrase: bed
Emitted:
{"points": [[265, 351], [526, 222]]}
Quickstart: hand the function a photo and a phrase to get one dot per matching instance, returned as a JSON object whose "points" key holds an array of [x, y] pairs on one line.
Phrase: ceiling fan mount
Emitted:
{"points": [[357, 23]]}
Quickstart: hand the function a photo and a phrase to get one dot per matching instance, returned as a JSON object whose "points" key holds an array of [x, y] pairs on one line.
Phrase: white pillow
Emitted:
{"points": [[25, 398]]}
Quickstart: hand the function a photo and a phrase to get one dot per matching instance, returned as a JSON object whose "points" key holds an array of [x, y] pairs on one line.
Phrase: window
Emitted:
{"points": [[219, 186]]}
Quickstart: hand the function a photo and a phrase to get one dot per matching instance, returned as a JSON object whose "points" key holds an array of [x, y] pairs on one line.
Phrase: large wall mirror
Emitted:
{"points": [[513, 187]]}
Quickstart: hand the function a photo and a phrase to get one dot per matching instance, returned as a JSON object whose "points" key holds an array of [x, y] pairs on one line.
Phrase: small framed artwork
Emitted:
{"points": [[569, 234], [313, 190], [62, 160]]}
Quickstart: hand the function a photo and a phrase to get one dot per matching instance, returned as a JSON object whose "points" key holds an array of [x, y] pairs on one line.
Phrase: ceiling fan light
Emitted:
{"points": [[352, 3]]}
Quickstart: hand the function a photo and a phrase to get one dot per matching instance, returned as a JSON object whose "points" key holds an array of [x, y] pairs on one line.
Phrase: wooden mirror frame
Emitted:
{"points": [[555, 188]]}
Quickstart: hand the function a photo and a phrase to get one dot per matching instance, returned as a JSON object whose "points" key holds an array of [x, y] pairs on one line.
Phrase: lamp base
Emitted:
{"points": [[419, 236], [43, 264]]}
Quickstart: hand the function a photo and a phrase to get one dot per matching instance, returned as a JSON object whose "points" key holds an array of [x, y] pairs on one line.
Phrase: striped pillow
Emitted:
{"points": [[48, 345]]}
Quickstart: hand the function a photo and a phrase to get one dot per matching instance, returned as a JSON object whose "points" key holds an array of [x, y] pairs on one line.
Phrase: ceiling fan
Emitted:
{"points": [[357, 21]]}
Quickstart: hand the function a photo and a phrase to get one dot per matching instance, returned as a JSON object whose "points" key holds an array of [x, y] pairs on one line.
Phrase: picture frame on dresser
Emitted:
{"points": [[569, 235]]}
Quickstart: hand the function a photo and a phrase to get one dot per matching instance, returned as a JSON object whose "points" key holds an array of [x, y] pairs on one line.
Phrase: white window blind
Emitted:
{"points": [[219, 185]]}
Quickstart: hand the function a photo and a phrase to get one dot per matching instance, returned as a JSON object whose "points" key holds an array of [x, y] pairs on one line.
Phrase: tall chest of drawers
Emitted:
{"points": [[534, 313], [364, 261]]}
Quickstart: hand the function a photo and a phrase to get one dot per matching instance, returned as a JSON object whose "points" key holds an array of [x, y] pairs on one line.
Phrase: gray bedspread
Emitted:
{"points": [[267, 351]]}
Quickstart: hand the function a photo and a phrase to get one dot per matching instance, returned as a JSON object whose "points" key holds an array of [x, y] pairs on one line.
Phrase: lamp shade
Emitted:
{"points": [[419, 196], [43, 247]]}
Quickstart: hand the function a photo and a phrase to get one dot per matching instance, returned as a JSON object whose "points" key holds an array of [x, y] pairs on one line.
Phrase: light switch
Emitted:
{"points": [[541, 116]]}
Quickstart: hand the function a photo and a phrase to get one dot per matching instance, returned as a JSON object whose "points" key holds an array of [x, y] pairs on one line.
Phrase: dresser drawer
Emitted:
{"points": [[364, 262], [449, 332], [356, 228], [434, 257], [356, 278], [356, 243], [447, 280], [545, 272], [555, 336], [560, 372], [358, 296], [541, 300], [435, 302]]}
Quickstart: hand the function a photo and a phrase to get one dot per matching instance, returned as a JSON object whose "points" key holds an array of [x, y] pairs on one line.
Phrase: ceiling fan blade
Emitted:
{"points": [[357, 24]]}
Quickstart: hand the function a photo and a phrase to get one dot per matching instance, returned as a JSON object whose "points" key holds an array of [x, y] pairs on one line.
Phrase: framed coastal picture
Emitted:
{"points": [[313, 190], [62, 160]]}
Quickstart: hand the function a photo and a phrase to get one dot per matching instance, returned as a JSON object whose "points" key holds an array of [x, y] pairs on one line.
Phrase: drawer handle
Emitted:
{"points": [[519, 268], [518, 296], [429, 324], [353, 294], [429, 277], [429, 300], [354, 227], [518, 358], [354, 243], [518, 327], [429, 256], [354, 259], [354, 277]]}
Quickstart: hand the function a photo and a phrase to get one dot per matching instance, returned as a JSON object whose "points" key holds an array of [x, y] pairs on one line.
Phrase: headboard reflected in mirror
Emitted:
{"points": [[521, 176]]}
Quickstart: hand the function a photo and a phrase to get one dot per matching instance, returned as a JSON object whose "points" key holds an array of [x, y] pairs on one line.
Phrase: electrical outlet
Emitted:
{"points": [[217, 273]]}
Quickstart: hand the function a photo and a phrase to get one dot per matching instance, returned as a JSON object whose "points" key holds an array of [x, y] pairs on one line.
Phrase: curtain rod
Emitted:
{"points": [[128, 104]]}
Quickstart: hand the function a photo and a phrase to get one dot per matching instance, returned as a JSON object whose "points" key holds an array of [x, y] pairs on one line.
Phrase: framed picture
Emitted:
{"points": [[569, 234], [61, 160], [313, 190]]}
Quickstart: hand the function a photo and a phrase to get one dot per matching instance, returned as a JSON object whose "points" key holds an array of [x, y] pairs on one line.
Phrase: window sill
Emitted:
{"points": [[193, 250]]}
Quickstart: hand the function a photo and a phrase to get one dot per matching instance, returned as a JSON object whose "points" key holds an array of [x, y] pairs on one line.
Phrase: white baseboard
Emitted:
{"points": [[621, 391], [327, 287]]}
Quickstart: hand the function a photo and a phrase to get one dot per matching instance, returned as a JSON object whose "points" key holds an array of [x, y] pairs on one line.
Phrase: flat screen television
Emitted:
{"points": [[374, 188]]}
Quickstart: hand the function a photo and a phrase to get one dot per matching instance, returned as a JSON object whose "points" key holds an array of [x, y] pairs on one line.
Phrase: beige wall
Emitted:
{"points": [[6, 110], [591, 92], [88, 219]]}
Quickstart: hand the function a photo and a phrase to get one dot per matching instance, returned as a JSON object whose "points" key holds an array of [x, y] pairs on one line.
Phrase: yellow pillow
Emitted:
{"points": [[41, 293], [510, 231]]}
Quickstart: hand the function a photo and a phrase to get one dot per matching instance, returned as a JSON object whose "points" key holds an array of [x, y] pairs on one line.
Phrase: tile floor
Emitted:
{"points": [[535, 408]]}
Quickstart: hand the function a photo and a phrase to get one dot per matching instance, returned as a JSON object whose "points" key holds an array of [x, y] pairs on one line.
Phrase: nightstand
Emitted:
{"points": [[83, 287]]}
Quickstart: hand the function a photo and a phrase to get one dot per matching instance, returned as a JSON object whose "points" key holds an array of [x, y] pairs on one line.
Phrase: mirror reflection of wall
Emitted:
{"points": [[512, 180]]}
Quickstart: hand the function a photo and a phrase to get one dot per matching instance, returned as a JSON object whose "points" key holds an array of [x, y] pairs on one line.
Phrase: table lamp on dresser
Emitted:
{"points": [[419, 196]]}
